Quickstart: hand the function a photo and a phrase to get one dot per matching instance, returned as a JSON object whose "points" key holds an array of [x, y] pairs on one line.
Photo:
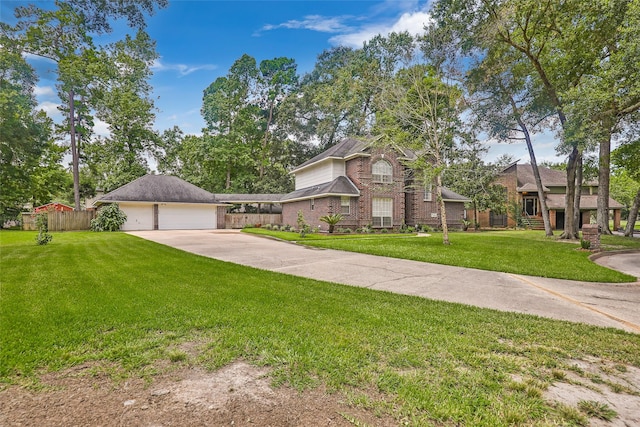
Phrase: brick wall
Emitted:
{"points": [[359, 170]]}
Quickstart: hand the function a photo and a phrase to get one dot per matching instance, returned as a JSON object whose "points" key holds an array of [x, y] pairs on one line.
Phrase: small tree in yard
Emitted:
{"points": [[42, 222], [303, 227], [332, 220], [110, 218]]}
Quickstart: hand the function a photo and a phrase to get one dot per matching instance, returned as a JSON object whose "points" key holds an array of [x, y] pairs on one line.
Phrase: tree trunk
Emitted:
{"points": [[604, 176], [577, 195], [75, 161], [265, 142], [475, 217], [568, 232], [443, 212], [536, 173], [633, 214]]}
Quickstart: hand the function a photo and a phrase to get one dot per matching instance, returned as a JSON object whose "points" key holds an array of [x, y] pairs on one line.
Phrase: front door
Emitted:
{"points": [[530, 205]]}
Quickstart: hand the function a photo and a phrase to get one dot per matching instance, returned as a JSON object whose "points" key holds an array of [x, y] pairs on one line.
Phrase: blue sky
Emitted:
{"points": [[198, 40]]}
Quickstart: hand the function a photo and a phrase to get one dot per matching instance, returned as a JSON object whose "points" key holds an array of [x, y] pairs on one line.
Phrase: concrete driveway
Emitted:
{"points": [[610, 305]]}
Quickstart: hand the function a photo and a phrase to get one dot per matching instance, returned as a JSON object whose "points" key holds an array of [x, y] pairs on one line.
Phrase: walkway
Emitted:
{"points": [[610, 305]]}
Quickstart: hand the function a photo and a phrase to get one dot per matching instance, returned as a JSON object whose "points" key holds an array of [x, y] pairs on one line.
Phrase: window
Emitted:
{"points": [[312, 204], [382, 212], [345, 205], [428, 193], [382, 171]]}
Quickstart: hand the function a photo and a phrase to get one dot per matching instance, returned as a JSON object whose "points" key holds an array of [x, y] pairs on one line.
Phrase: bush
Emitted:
{"points": [[110, 218], [585, 244], [42, 222]]}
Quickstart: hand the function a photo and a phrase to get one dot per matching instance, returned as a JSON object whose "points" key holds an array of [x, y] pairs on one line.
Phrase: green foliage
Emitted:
{"points": [[109, 218], [585, 244], [132, 305], [303, 227], [501, 251], [597, 409], [332, 220], [42, 224]]}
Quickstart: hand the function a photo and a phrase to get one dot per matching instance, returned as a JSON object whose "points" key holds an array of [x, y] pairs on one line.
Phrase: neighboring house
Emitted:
{"points": [[520, 188], [159, 202], [369, 186], [55, 207]]}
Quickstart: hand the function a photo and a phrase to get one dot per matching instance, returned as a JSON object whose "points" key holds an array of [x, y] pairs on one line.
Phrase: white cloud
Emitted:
{"points": [[43, 91], [412, 22], [51, 108], [314, 23], [182, 69], [101, 128]]}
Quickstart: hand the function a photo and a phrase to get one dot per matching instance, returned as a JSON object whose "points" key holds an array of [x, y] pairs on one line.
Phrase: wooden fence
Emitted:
{"points": [[239, 220], [61, 221]]}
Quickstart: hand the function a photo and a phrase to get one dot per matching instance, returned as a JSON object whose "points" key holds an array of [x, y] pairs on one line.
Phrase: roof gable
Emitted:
{"points": [[159, 189], [347, 149], [341, 186]]}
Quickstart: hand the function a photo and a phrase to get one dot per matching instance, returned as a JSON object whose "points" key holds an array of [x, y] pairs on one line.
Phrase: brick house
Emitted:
{"points": [[520, 187], [369, 186]]}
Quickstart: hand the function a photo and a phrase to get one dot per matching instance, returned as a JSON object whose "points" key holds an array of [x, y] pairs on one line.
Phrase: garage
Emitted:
{"points": [[161, 202], [186, 217]]}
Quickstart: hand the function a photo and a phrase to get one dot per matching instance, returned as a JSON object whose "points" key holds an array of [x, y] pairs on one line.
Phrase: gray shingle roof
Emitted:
{"points": [[249, 198], [549, 177], [341, 186], [348, 147], [587, 201], [159, 189], [451, 196]]}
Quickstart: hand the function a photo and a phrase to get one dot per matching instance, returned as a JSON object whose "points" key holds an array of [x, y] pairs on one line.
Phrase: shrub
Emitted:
{"points": [[384, 231], [110, 218], [303, 227], [267, 226], [275, 228], [332, 220], [42, 222], [585, 244]]}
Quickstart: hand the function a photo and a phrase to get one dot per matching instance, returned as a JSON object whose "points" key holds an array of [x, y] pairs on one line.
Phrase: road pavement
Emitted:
{"points": [[601, 304]]}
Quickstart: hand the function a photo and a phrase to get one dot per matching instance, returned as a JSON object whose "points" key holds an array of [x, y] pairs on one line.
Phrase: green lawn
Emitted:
{"points": [[128, 304], [519, 252]]}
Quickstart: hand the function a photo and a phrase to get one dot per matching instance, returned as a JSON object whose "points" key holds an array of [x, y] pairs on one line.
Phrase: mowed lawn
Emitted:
{"points": [[126, 304], [519, 252]]}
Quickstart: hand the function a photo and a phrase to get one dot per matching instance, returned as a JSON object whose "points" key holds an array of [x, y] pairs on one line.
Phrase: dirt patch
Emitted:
{"points": [[614, 386], [238, 394]]}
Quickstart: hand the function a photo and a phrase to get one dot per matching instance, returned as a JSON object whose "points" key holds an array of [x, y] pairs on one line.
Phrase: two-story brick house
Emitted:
{"points": [[520, 188], [369, 186]]}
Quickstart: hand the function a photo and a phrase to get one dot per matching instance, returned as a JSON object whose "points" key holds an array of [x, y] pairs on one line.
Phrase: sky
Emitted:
{"points": [[198, 41]]}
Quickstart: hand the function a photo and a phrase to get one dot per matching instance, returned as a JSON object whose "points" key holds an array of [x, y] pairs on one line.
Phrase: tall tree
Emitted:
{"points": [[422, 113], [24, 132], [561, 41], [64, 34], [121, 96], [234, 126], [608, 94], [278, 79], [508, 108], [627, 157]]}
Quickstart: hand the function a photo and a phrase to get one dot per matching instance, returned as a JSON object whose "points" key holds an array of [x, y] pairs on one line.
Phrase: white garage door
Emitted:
{"points": [[139, 216], [186, 217]]}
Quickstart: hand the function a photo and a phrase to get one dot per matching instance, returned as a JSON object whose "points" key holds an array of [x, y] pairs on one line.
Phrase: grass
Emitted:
{"points": [[519, 252], [116, 300]]}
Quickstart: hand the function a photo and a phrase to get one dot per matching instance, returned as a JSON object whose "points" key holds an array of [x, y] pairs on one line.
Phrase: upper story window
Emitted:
{"points": [[382, 172], [428, 193]]}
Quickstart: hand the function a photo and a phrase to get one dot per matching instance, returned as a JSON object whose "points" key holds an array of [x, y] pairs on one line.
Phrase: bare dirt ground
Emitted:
{"points": [[236, 395], [241, 395]]}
